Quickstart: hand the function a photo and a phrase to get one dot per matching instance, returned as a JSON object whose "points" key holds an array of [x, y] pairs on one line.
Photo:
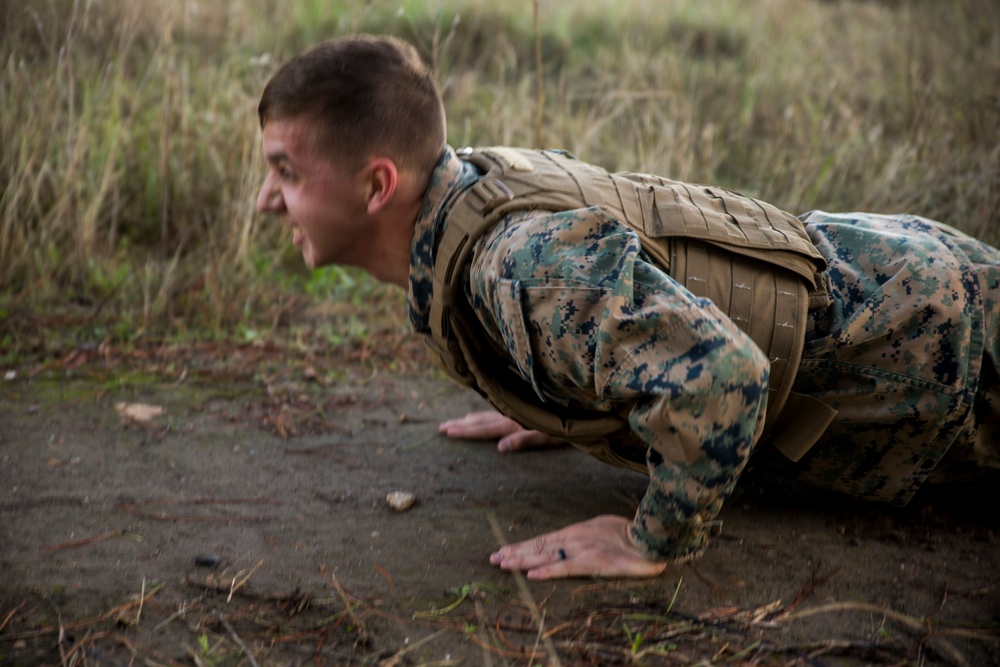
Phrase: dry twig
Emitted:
{"points": [[93, 540], [240, 579], [939, 644], [522, 586], [75, 625], [11, 614], [236, 638]]}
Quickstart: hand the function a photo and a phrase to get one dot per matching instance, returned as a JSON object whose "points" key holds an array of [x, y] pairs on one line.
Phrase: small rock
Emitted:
{"points": [[139, 413], [400, 500]]}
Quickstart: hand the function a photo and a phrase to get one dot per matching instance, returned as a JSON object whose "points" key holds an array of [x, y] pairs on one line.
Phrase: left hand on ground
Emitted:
{"points": [[597, 547], [490, 424]]}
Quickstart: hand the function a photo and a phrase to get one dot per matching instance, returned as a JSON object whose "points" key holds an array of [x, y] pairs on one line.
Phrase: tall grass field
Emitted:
{"points": [[131, 152]]}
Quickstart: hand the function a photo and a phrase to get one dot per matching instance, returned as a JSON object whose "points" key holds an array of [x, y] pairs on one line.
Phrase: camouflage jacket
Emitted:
{"points": [[591, 323]]}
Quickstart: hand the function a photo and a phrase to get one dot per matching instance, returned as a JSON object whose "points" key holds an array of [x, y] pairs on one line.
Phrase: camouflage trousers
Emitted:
{"points": [[978, 446], [909, 355]]}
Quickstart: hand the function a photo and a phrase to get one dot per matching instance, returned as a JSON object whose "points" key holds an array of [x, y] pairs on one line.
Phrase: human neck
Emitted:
{"points": [[393, 238]]}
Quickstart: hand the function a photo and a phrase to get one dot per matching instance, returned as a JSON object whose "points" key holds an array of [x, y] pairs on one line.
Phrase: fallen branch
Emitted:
{"points": [[944, 648]]}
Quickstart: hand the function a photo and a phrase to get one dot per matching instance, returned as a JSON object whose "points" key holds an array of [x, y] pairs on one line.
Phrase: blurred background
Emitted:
{"points": [[131, 152]]}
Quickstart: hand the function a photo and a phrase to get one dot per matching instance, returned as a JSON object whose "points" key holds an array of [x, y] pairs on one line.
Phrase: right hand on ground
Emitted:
{"points": [[600, 547], [489, 425]]}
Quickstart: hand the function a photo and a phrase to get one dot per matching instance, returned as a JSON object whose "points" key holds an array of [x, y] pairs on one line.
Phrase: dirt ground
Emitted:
{"points": [[247, 524]]}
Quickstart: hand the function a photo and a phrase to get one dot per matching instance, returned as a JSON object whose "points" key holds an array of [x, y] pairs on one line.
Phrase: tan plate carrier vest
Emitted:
{"points": [[754, 261]]}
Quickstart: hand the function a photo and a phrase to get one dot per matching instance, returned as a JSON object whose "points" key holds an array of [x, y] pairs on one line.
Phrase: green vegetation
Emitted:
{"points": [[131, 149]]}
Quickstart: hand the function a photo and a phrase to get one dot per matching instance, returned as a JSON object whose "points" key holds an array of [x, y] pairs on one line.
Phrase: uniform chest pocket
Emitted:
{"points": [[551, 333]]}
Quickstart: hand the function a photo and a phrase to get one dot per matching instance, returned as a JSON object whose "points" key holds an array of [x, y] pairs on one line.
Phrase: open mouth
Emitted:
{"points": [[297, 234]]}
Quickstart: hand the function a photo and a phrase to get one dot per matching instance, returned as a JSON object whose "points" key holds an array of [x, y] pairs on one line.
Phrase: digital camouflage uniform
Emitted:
{"points": [[908, 348]]}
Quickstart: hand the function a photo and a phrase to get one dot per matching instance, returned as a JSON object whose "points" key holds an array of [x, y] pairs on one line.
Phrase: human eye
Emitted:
{"points": [[281, 170]]}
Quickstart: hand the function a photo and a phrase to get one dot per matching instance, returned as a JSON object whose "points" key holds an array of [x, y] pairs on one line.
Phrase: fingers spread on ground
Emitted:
{"points": [[479, 426]]}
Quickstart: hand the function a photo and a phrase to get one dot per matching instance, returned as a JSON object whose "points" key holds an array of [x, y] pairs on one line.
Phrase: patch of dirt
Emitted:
{"points": [[247, 524]]}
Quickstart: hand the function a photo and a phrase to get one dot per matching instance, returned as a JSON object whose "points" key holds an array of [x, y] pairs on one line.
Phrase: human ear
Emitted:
{"points": [[382, 177]]}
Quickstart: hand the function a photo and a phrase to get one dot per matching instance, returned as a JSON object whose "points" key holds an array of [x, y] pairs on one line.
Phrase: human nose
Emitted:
{"points": [[269, 197]]}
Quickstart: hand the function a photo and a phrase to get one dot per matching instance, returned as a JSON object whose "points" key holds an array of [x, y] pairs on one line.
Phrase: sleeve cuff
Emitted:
{"points": [[674, 542]]}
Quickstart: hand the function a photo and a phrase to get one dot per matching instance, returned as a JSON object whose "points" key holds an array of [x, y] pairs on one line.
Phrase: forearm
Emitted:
{"points": [[698, 444]]}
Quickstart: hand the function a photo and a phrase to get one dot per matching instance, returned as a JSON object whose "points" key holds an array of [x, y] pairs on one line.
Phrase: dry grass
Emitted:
{"points": [[224, 620], [130, 160], [131, 152]]}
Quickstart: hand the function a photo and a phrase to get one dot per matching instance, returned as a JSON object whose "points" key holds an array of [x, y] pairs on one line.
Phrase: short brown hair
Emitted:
{"points": [[369, 95]]}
